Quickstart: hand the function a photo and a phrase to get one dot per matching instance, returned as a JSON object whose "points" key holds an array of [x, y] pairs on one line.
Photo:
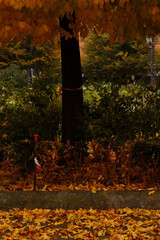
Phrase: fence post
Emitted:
{"points": [[35, 155]]}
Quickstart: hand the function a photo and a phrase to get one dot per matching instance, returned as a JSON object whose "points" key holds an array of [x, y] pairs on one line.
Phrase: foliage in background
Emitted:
{"points": [[15, 76], [43, 58], [123, 113], [115, 63]]}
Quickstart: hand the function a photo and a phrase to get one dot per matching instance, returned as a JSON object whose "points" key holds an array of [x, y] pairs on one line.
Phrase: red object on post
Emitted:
{"points": [[36, 164], [36, 137]]}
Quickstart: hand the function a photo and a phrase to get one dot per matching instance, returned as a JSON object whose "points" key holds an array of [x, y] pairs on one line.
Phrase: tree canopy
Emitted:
{"points": [[123, 19]]}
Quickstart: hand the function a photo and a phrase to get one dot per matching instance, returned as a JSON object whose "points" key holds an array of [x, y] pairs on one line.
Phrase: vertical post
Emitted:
{"points": [[153, 63], [35, 153], [150, 57]]}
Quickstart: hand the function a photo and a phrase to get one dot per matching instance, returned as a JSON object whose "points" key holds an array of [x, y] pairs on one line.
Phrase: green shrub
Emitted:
{"points": [[122, 114]]}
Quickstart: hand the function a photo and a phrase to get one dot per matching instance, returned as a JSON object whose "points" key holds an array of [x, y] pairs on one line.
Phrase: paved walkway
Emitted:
{"points": [[80, 199]]}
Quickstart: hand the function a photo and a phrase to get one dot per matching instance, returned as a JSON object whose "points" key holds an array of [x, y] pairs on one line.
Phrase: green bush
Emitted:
{"points": [[123, 114], [15, 75]]}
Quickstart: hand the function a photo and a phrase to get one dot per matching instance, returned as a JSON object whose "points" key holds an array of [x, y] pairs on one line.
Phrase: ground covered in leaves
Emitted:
{"points": [[92, 176], [70, 169], [80, 224]]}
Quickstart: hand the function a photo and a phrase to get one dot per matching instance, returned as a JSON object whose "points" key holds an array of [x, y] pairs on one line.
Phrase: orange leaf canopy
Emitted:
{"points": [[122, 19]]}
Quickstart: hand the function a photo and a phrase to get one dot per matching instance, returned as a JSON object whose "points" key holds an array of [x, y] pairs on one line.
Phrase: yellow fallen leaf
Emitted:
{"points": [[44, 188], [93, 191], [152, 188], [58, 223], [71, 187], [152, 192]]}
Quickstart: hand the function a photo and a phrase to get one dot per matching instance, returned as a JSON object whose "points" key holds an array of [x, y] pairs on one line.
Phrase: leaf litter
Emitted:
{"points": [[116, 224]]}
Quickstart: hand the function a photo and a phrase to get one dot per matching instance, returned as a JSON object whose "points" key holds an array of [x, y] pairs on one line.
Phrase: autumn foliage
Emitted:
{"points": [[124, 19]]}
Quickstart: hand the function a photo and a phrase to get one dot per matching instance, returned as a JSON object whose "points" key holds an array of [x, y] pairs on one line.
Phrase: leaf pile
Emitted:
{"points": [[80, 224]]}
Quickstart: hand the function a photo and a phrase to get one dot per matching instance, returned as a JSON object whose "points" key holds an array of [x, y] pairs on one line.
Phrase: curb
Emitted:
{"points": [[101, 200]]}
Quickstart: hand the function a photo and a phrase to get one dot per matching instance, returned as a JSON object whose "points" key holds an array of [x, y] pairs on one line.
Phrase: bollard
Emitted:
{"points": [[35, 155]]}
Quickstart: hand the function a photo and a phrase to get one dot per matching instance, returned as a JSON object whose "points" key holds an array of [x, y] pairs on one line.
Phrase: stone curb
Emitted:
{"points": [[79, 199]]}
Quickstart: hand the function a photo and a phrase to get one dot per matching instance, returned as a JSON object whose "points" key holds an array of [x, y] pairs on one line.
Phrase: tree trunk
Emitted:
{"points": [[72, 95]]}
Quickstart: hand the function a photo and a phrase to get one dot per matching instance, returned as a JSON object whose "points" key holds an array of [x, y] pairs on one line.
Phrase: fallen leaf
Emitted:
{"points": [[152, 192]]}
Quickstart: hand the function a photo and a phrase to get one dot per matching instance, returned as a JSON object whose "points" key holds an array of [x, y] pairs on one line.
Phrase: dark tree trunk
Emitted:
{"points": [[72, 95]]}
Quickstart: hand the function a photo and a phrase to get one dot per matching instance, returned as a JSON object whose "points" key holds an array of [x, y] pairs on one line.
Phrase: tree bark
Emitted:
{"points": [[72, 94]]}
